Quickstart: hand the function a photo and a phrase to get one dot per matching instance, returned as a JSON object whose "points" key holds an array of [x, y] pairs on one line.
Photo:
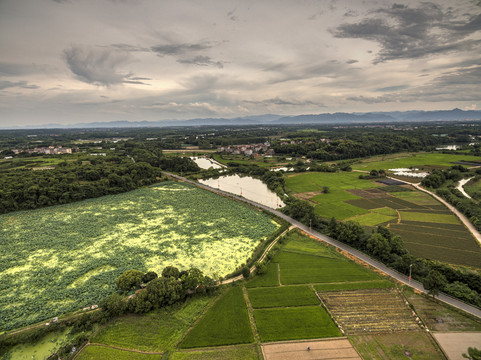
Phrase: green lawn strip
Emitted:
{"points": [[314, 181], [96, 352], [282, 296], [372, 219], [429, 217], [380, 284], [393, 346], [416, 197], [309, 269], [439, 316], [406, 160], [158, 330], [269, 278], [305, 322], [239, 352], [385, 211], [225, 323]]}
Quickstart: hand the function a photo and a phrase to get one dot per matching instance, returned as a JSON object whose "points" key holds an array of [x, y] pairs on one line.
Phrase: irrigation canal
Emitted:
{"points": [[360, 255]]}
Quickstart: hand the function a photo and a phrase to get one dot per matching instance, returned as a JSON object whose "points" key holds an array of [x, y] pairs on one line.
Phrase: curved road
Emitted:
{"points": [[356, 253]]}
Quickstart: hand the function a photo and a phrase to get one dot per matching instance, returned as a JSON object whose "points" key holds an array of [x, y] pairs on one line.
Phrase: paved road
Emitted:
{"points": [[358, 254]]}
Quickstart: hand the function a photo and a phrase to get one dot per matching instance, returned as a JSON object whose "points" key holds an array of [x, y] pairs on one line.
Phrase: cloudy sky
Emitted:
{"points": [[69, 61]]}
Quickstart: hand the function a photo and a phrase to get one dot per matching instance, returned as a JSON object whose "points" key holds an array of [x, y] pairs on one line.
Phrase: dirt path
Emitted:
{"points": [[460, 185], [456, 212]]}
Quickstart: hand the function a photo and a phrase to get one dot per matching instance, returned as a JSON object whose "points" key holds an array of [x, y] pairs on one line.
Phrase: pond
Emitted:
{"points": [[205, 163], [248, 187]]}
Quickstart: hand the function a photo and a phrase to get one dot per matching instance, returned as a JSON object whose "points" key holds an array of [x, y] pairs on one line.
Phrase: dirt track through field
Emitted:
{"points": [[339, 349]]}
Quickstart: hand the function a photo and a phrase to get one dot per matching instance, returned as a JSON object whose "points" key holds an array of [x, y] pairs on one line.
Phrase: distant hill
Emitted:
{"points": [[272, 119]]}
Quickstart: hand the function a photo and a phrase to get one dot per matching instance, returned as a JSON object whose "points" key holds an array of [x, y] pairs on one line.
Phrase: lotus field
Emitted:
{"points": [[58, 259]]}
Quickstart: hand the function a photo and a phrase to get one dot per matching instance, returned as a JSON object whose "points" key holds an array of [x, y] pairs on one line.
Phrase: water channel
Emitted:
{"points": [[248, 187]]}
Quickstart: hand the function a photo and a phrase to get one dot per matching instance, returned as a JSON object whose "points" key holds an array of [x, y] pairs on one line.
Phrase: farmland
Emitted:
{"points": [[215, 328], [93, 352], [61, 258], [428, 228]]}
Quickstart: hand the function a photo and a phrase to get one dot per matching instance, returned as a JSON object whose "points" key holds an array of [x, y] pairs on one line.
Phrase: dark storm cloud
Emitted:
{"points": [[404, 32], [127, 47], [179, 49], [352, 61], [392, 88], [97, 65], [5, 84], [202, 61]]}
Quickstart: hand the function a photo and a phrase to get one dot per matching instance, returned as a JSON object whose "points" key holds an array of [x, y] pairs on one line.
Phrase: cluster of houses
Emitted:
{"points": [[247, 150], [50, 150]]}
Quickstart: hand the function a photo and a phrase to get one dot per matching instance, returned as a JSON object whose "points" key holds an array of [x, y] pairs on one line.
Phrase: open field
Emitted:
{"points": [[429, 217], [369, 310], [225, 323], [397, 346], [61, 258], [95, 352], [440, 317], [417, 160], [308, 269], [306, 322], [158, 330], [282, 296], [340, 349], [239, 352], [455, 345], [269, 278]]}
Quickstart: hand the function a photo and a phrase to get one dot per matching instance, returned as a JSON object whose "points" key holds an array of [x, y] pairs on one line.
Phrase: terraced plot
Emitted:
{"points": [[369, 310], [282, 296]]}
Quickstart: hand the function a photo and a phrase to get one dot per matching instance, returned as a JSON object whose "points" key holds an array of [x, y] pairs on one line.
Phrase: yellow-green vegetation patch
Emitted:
{"points": [[372, 219], [307, 322], [96, 352], [226, 322], [397, 346], [61, 258], [385, 211], [238, 352], [429, 217], [417, 197], [40, 349], [158, 330]]}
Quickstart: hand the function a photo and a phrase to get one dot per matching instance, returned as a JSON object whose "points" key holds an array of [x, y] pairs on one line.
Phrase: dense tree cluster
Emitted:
{"points": [[22, 189], [154, 292]]}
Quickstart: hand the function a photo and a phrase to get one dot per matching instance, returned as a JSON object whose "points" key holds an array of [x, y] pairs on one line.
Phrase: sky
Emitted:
{"points": [[71, 61]]}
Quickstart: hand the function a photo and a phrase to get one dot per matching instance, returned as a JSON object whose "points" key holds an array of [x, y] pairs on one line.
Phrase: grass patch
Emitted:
{"points": [[417, 197], [242, 352], [380, 284], [393, 346], [297, 242], [306, 322], [308, 269], [429, 217], [282, 296], [372, 219], [406, 160], [95, 352], [227, 322], [158, 330], [269, 278]]}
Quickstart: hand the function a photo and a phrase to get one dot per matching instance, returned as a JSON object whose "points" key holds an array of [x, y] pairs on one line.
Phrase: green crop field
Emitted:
{"points": [[239, 352], [61, 258], [269, 278], [406, 160], [372, 219], [226, 322], [306, 269], [158, 330], [294, 241], [429, 217], [305, 322], [95, 352], [377, 284], [282, 296]]}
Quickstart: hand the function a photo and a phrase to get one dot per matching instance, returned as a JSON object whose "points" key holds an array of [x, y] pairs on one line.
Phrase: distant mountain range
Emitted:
{"points": [[270, 119]]}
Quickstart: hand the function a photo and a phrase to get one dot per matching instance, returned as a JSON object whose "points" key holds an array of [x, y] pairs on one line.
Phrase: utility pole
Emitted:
{"points": [[310, 225], [410, 268]]}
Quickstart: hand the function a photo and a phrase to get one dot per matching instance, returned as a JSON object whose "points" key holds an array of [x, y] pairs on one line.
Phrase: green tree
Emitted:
{"points": [[149, 276], [114, 305], [130, 279], [246, 272], [434, 282], [171, 271], [473, 354]]}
